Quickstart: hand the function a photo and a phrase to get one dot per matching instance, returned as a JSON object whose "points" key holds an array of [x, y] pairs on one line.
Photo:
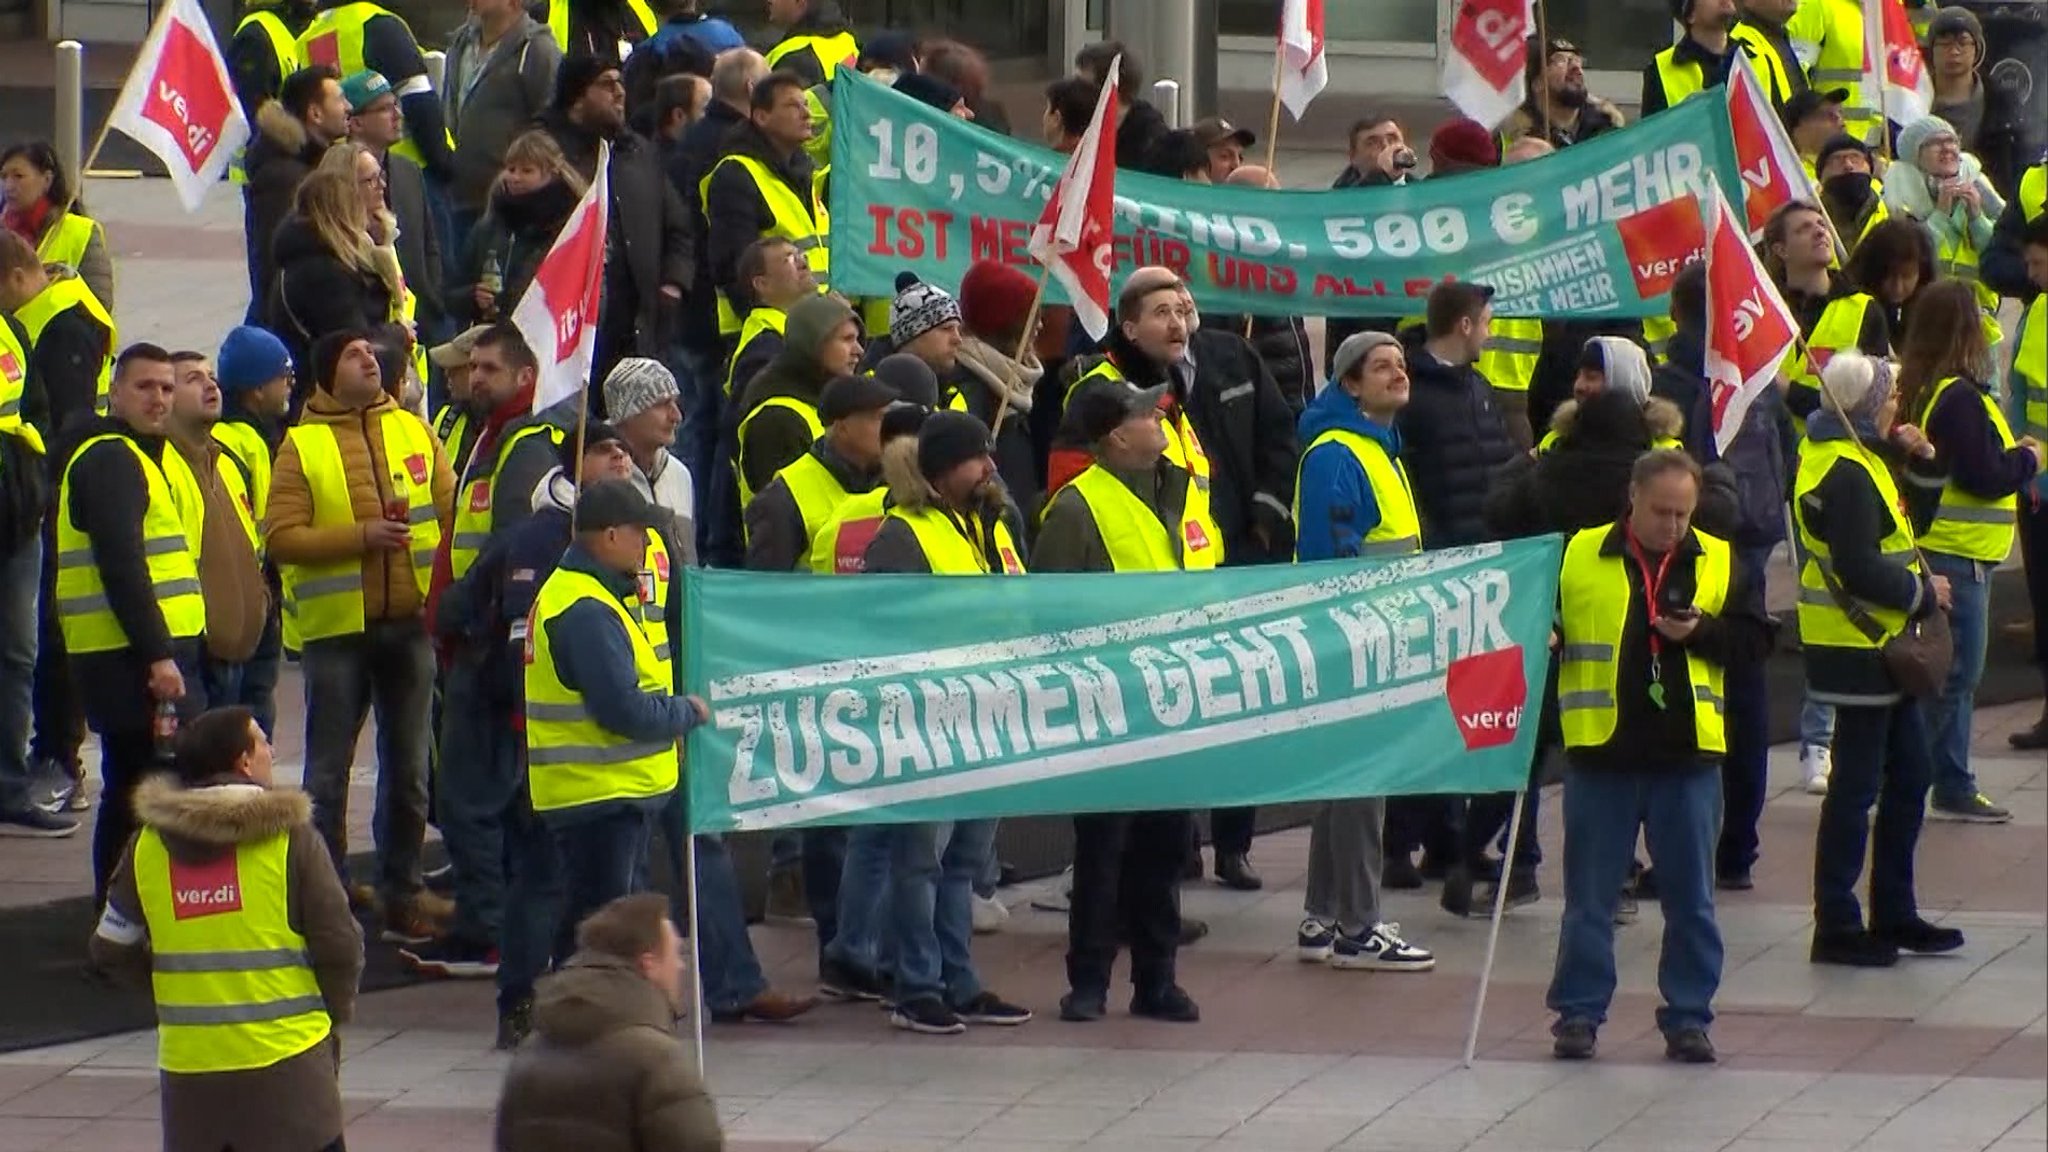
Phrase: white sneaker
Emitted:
{"points": [[1815, 764], [1059, 898], [1380, 950], [989, 915]]}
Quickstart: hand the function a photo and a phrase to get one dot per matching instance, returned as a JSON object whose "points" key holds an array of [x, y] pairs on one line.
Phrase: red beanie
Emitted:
{"points": [[994, 298], [1461, 145]]}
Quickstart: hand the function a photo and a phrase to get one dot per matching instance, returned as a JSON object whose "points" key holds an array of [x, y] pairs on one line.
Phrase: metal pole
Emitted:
{"points": [[1173, 52], [1166, 98], [68, 132], [1500, 902], [437, 68]]}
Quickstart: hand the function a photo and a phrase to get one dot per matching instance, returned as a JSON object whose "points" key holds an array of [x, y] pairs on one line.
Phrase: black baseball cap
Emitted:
{"points": [[1810, 101], [1100, 410], [851, 395], [615, 504], [1214, 130]]}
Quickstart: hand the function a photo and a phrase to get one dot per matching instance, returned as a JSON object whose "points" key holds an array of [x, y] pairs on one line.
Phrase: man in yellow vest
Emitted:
{"points": [[1828, 35], [1833, 316], [1850, 192], [1651, 611], [254, 372], [1813, 117], [127, 596], [352, 36], [2005, 266], [458, 420], [262, 52], [1701, 59], [773, 278], [358, 504], [816, 39], [785, 518], [70, 335], [1761, 29], [226, 907], [762, 185], [2029, 382]]}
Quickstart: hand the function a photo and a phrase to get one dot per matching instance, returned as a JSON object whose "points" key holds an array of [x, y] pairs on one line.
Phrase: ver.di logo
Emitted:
{"points": [[1488, 694]]}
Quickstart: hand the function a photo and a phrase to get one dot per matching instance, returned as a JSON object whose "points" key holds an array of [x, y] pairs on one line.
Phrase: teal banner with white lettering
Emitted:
{"points": [[1599, 229], [884, 699]]}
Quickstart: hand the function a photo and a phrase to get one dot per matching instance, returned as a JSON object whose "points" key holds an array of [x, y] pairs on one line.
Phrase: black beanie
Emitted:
{"points": [[1680, 10], [326, 355], [949, 439], [574, 76], [595, 433]]}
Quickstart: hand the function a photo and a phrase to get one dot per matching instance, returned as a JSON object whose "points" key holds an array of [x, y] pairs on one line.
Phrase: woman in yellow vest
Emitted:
{"points": [[43, 209], [1944, 383], [1891, 264], [1937, 183], [226, 907], [1862, 583]]}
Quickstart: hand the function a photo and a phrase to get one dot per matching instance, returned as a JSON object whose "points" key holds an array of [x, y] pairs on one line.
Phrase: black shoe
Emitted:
{"points": [[440, 879], [1083, 1007], [1192, 930], [1191, 868], [514, 1024], [1574, 1039], [36, 823], [1646, 884], [1522, 890], [1399, 874], [2032, 739], [844, 982], [927, 1016], [1919, 937], [1735, 880], [1852, 948], [989, 1008], [1457, 894], [1171, 1004], [1689, 1046], [1433, 867], [1234, 871]]}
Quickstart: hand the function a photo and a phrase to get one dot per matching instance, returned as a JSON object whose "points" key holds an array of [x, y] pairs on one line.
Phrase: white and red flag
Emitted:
{"points": [[1895, 77], [1749, 329], [1486, 70], [1072, 238], [1304, 71], [558, 312], [179, 103], [1772, 173]]}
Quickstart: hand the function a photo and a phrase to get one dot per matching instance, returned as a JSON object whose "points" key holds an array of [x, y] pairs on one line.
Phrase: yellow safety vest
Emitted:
{"points": [[1835, 29], [1874, 213], [833, 51], [13, 378], [171, 522], [326, 600], [1657, 444], [572, 760], [1684, 81], [1137, 539], [1839, 327], [2034, 192], [1593, 606], [233, 981], [1773, 73], [335, 38], [1970, 526], [654, 619], [947, 549], [1657, 334], [473, 504], [816, 491], [65, 241], [808, 227], [237, 483], [558, 20], [62, 294], [808, 413], [451, 425], [2030, 370], [285, 47], [1509, 359], [840, 548], [246, 445], [1183, 448], [1822, 623], [758, 321], [1399, 532], [1957, 260]]}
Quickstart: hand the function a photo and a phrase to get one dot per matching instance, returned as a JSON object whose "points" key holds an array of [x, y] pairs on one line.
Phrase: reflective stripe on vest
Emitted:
{"points": [[326, 600], [61, 295], [247, 446], [1772, 74], [805, 411], [473, 503], [758, 321], [948, 550], [1839, 328], [13, 378], [1399, 532], [1136, 538], [1835, 30], [2030, 370], [1508, 362], [832, 51], [816, 491], [335, 38], [233, 981], [168, 547], [1822, 623], [840, 548], [1183, 448], [1594, 595], [571, 759], [1970, 526], [558, 21], [284, 47], [807, 227]]}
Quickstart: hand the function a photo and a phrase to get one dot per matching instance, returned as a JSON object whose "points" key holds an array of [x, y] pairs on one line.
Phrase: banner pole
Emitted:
{"points": [[696, 947], [1272, 144], [1500, 900], [1542, 78], [1023, 342], [582, 426]]}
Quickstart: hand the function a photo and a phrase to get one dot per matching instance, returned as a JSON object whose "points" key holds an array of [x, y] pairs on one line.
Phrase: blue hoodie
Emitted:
{"points": [[1337, 507]]}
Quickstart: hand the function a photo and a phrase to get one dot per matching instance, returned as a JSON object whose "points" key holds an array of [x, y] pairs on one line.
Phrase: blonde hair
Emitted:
{"points": [[331, 206], [538, 149]]}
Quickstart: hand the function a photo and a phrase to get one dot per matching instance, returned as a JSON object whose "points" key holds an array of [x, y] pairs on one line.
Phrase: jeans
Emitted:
{"points": [[388, 667], [479, 782], [863, 903], [931, 917], [1230, 830], [20, 586], [1677, 807], [1881, 759], [1816, 724], [252, 683], [120, 709], [533, 902], [1126, 890], [58, 704], [1345, 855], [2034, 550], [1745, 771], [1949, 715], [604, 857]]}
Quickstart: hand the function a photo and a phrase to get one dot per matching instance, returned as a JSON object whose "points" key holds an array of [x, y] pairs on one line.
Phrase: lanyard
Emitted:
{"points": [[1653, 587]]}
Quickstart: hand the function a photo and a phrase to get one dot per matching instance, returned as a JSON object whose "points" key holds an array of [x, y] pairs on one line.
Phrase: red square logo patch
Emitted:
{"points": [[850, 551], [1487, 694], [1661, 241], [416, 467], [480, 496], [206, 888]]}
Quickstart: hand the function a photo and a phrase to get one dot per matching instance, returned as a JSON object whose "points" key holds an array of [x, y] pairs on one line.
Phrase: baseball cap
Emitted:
{"points": [[1213, 130], [616, 504], [851, 395], [1810, 101], [363, 89], [455, 353], [1096, 412]]}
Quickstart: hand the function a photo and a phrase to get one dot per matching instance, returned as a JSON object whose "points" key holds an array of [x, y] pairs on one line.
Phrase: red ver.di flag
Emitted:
{"points": [[1749, 331], [1073, 235], [558, 312], [1304, 70], [1894, 73], [1485, 72], [1772, 173], [179, 103]]}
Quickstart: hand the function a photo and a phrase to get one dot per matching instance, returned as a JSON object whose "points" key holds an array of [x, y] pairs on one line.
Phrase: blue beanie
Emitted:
{"points": [[250, 358]]}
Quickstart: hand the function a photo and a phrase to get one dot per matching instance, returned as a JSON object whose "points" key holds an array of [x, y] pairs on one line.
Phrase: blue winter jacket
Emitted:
{"points": [[1338, 508]]}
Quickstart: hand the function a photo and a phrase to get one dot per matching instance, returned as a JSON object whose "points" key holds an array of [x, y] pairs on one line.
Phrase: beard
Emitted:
{"points": [[1571, 96]]}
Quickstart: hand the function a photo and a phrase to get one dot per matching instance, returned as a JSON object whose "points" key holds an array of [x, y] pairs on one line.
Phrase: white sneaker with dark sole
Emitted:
{"points": [[1380, 950]]}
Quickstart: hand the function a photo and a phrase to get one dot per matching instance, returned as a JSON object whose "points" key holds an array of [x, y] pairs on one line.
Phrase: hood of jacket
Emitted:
{"points": [[284, 132], [1595, 116], [595, 996], [795, 370], [824, 19], [1825, 424], [556, 492], [907, 486], [219, 815], [1334, 410], [1615, 419], [999, 373], [536, 214]]}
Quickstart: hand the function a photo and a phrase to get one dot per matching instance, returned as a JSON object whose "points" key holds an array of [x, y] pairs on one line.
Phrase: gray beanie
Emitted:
{"points": [[1920, 133], [635, 385], [1355, 348]]}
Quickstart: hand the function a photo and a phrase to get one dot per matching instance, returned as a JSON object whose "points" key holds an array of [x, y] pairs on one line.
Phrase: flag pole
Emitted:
{"points": [[1273, 117], [1542, 97], [99, 140], [582, 426], [1023, 343], [1500, 900]]}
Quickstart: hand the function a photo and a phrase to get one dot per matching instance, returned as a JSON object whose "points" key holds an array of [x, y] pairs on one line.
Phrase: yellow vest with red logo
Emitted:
{"points": [[807, 227], [949, 550], [1136, 538], [335, 38], [13, 377], [840, 547], [1183, 447], [326, 600], [478, 495]]}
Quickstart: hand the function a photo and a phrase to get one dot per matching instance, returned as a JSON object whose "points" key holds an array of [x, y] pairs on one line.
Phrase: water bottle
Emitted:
{"points": [[164, 733]]}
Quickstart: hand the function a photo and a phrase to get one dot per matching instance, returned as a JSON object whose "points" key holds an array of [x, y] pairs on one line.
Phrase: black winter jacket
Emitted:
{"points": [[316, 293], [279, 159], [1756, 457], [1454, 445], [511, 238], [65, 367], [688, 163], [1283, 347], [1139, 129], [734, 212], [108, 496]]}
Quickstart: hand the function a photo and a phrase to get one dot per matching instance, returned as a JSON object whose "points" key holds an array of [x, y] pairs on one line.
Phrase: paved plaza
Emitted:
{"points": [[1936, 1055]]}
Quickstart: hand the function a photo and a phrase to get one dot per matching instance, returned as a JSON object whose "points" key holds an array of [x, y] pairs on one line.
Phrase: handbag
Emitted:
{"points": [[1919, 657]]}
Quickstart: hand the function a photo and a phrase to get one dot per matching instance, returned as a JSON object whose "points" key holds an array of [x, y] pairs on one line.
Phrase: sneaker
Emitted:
{"points": [[843, 982], [441, 880], [770, 1007], [1626, 909], [1083, 1007], [514, 1025], [1059, 898], [1399, 874], [1852, 948], [1380, 950], [1974, 809], [1574, 1039], [989, 915], [989, 1008], [2032, 739], [36, 823], [1171, 1004], [927, 1016], [452, 959], [1646, 883], [79, 796], [1314, 940], [1919, 937], [1735, 880], [1689, 1046], [1522, 890], [1816, 763], [786, 904]]}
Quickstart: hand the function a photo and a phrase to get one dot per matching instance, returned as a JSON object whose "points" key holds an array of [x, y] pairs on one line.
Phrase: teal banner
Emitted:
{"points": [[885, 699], [1598, 229]]}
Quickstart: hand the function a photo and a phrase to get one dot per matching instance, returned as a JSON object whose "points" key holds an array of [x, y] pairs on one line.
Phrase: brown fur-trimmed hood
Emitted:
{"points": [[1662, 417], [908, 489], [285, 130], [221, 814]]}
